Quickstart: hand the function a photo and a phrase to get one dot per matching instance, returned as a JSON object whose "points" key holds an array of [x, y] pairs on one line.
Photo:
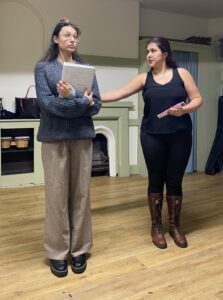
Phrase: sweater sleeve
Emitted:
{"points": [[94, 109], [55, 105]]}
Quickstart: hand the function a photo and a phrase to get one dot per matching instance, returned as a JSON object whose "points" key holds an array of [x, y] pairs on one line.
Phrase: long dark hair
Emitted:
{"points": [[164, 45], [53, 50]]}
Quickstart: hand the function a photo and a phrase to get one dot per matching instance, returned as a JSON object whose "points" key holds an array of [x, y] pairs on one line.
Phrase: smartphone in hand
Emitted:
{"points": [[165, 112]]}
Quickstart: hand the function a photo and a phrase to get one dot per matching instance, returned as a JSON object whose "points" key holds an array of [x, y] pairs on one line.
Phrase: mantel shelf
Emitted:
{"points": [[118, 104]]}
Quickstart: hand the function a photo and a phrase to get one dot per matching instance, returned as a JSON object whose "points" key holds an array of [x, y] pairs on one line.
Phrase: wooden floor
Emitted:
{"points": [[123, 263]]}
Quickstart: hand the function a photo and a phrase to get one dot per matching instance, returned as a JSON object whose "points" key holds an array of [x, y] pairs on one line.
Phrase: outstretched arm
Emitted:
{"points": [[133, 86]]}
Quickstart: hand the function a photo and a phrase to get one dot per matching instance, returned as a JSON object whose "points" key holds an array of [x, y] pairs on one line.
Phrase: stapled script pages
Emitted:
{"points": [[79, 76]]}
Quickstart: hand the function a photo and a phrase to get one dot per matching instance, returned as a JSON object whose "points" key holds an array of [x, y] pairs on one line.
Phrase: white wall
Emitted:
{"points": [[215, 27], [22, 44], [109, 28], [112, 78], [21, 37], [176, 26], [173, 26]]}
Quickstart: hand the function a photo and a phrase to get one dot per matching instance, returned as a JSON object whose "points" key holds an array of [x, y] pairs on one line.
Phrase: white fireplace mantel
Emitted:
{"points": [[113, 122]]}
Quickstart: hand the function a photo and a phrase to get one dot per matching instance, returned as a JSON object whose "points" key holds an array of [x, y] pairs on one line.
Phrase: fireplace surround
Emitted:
{"points": [[113, 123]]}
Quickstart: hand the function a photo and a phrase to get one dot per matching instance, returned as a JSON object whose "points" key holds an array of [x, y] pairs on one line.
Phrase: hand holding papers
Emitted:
{"points": [[79, 76], [165, 112]]}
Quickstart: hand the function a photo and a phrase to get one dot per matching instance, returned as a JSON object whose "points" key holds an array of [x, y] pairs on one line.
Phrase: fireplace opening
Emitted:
{"points": [[100, 159]]}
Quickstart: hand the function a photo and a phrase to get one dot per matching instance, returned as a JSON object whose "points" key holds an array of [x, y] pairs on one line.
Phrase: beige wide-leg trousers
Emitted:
{"points": [[67, 171]]}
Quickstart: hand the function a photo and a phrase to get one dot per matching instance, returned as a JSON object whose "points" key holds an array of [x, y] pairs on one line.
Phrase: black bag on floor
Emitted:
{"points": [[27, 108]]}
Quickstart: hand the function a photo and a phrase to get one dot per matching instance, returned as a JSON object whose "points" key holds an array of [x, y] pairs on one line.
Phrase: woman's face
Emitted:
{"points": [[67, 39], [154, 55]]}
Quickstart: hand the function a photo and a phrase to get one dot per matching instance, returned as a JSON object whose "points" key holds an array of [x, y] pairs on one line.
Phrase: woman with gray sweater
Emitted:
{"points": [[66, 131]]}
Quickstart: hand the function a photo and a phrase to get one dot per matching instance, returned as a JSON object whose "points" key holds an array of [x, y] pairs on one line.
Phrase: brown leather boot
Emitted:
{"points": [[174, 204], [155, 204]]}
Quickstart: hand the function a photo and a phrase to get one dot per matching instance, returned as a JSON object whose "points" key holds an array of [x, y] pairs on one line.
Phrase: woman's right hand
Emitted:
{"points": [[90, 97], [63, 88]]}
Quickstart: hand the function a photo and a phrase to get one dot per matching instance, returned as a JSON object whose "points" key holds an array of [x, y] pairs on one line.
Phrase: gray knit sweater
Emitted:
{"points": [[62, 118]]}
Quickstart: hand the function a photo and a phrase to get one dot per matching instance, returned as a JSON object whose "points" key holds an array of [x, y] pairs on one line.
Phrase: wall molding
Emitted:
{"points": [[38, 12]]}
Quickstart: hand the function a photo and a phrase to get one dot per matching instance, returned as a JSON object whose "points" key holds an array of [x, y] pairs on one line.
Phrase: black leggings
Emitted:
{"points": [[166, 157]]}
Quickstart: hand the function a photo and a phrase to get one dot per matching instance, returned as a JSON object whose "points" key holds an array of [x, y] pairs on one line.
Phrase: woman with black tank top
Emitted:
{"points": [[166, 141]]}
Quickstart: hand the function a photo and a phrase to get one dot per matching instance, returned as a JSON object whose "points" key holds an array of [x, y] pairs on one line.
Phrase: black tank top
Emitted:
{"points": [[159, 97]]}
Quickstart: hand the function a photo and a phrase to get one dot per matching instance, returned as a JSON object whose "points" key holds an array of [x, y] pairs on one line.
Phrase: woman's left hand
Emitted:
{"points": [[177, 112], [63, 88], [89, 95]]}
